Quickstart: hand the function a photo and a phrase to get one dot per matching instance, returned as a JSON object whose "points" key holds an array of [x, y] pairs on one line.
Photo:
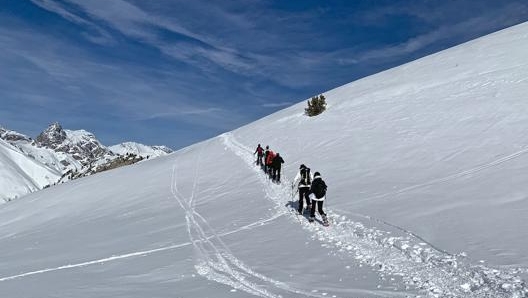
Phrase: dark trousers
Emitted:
{"points": [[259, 159], [319, 207], [276, 174], [269, 170], [303, 195]]}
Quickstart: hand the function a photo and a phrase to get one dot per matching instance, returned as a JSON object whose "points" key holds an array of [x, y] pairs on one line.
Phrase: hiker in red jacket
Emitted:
{"points": [[269, 162]]}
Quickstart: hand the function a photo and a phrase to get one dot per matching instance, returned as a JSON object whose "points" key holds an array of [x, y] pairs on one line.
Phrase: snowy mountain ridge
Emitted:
{"points": [[80, 144], [426, 165], [66, 154], [140, 149]]}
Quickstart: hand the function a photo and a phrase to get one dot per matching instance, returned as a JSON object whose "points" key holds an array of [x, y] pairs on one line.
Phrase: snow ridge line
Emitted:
{"points": [[420, 265], [217, 262]]}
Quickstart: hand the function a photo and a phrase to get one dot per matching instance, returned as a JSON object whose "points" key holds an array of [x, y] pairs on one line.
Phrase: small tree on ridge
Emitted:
{"points": [[316, 106]]}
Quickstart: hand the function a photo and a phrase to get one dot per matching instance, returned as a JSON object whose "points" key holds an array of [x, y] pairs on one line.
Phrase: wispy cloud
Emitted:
{"points": [[94, 33], [252, 41], [445, 34], [136, 23], [276, 104], [247, 42], [39, 74], [179, 113], [455, 31], [214, 64]]}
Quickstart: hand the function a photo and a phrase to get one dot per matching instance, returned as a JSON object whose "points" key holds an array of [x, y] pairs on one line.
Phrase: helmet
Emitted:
{"points": [[302, 166]]}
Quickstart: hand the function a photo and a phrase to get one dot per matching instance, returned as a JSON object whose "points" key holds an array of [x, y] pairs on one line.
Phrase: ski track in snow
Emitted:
{"points": [[136, 254], [144, 253], [419, 264], [450, 177], [95, 262], [216, 262]]}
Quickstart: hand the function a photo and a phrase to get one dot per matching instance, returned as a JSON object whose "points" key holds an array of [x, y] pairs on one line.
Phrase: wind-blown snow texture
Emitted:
{"points": [[427, 197]]}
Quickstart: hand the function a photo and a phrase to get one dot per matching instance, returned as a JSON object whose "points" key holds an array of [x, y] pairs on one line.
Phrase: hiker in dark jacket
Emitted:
{"points": [[317, 196], [259, 152], [276, 165]]}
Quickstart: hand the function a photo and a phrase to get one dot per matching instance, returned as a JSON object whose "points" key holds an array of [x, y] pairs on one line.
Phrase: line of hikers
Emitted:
{"points": [[272, 162], [311, 188]]}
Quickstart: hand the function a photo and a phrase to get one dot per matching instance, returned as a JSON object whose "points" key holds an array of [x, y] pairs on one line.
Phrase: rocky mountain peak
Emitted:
{"points": [[53, 136], [80, 144]]}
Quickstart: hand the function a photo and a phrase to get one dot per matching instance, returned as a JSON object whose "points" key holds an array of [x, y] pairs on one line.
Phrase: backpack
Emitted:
{"points": [[319, 188], [305, 176], [270, 157]]}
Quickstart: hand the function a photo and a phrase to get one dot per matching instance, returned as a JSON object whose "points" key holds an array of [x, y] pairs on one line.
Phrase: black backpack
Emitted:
{"points": [[319, 188], [305, 176]]}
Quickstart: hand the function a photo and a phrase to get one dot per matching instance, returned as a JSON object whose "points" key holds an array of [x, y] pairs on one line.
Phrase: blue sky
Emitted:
{"points": [[176, 72]]}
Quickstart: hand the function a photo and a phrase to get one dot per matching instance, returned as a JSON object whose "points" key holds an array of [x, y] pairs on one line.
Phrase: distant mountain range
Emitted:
{"points": [[57, 155]]}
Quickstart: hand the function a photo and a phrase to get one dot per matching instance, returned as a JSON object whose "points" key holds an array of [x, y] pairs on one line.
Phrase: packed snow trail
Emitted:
{"points": [[393, 252], [216, 261]]}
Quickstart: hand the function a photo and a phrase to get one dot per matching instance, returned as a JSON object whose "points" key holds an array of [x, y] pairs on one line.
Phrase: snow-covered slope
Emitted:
{"points": [[426, 167], [140, 149], [20, 174]]}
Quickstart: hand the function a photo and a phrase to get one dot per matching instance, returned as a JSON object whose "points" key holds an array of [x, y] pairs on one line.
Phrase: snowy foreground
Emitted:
{"points": [[427, 167]]}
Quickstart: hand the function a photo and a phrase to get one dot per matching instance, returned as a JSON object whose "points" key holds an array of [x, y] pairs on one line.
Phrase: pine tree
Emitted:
{"points": [[316, 106]]}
